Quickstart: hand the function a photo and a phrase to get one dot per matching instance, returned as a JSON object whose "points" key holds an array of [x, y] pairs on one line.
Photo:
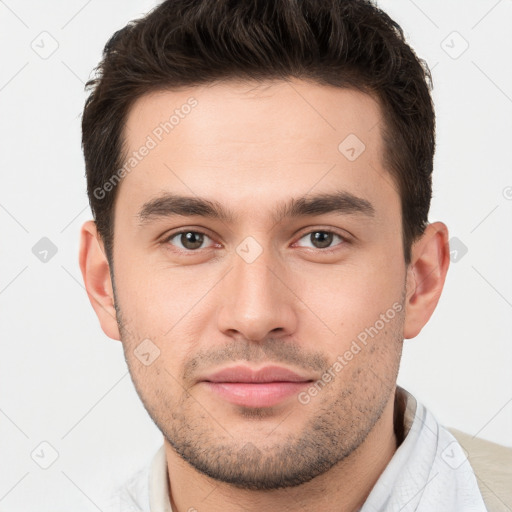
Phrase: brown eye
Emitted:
{"points": [[321, 239], [188, 240]]}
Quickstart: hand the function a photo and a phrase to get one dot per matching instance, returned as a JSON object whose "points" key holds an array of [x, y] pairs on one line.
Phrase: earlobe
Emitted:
{"points": [[426, 275], [96, 275]]}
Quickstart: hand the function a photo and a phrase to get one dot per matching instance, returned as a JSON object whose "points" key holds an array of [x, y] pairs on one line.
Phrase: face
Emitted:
{"points": [[259, 275]]}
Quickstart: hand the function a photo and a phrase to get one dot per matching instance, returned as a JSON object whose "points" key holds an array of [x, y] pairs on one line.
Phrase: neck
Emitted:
{"points": [[344, 487]]}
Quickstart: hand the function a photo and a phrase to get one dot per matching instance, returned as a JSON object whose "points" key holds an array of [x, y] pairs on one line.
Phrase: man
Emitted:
{"points": [[260, 179]]}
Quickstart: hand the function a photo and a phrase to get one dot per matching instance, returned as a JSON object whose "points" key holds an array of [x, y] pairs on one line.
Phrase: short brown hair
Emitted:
{"points": [[345, 43]]}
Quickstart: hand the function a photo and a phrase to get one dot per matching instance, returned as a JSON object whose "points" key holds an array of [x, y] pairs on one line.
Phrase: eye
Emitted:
{"points": [[187, 240], [322, 239]]}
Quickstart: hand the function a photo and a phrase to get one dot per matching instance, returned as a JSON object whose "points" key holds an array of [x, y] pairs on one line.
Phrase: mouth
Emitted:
{"points": [[265, 387]]}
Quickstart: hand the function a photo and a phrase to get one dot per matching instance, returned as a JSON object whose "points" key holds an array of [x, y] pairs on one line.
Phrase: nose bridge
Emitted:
{"points": [[255, 280], [257, 301]]}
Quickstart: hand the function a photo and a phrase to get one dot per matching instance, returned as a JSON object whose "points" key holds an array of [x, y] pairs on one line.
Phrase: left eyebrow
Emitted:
{"points": [[341, 203]]}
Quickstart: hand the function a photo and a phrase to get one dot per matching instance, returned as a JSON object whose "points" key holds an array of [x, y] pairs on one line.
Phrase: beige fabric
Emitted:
{"points": [[492, 464], [410, 408]]}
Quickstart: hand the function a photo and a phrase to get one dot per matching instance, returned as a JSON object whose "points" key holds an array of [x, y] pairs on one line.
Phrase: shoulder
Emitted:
{"points": [[492, 465]]}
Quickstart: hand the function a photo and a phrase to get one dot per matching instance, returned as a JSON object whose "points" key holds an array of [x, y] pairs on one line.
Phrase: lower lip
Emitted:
{"points": [[264, 394]]}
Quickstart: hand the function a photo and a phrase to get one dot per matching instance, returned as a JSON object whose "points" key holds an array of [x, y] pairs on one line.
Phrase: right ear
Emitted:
{"points": [[96, 274]]}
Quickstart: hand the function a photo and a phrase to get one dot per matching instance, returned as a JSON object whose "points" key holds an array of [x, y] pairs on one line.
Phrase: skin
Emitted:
{"points": [[298, 305]]}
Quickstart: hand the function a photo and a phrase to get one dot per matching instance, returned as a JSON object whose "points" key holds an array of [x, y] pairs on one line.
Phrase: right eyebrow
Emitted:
{"points": [[170, 205]]}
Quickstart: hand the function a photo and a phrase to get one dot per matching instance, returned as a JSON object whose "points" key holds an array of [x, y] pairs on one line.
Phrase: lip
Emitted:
{"points": [[265, 387], [244, 374]]}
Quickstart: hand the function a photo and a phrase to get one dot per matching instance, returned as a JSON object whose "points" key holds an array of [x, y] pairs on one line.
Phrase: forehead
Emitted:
{"points": [[241, 112], [235, 140]]}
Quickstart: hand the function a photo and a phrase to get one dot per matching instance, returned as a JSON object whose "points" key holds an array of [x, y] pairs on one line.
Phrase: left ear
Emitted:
{"points": [[430, 259]]}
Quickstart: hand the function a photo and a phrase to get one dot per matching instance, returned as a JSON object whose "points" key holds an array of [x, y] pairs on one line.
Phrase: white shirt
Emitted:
{"points": [[429, 472]]}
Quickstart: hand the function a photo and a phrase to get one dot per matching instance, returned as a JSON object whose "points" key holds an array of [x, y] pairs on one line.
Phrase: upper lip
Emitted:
{"points": [[244, 374]]}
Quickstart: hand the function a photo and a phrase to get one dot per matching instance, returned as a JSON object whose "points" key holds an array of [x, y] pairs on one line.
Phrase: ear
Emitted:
{"points": [[95, 272], [430, 259]]}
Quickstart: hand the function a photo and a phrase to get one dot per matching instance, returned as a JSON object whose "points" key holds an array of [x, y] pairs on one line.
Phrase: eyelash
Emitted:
{"points": [[344, 240]]}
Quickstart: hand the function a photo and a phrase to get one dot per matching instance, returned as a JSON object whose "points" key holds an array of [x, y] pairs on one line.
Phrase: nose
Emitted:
{"points": [[258, 300]]}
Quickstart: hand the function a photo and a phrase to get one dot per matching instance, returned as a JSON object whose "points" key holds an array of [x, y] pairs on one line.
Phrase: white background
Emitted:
{"points": [[64, 382]]}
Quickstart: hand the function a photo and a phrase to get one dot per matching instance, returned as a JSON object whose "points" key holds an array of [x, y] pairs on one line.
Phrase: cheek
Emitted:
{"points": [[157, 384], [343, 300], [159, 299], [162, 315]]}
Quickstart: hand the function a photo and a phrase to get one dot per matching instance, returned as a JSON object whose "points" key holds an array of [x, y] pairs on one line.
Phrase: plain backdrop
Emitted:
{"points": [[66, 399]]}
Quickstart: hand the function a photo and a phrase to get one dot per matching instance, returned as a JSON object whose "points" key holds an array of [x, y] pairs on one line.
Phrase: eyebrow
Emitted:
{"points": [[169, 205]]}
